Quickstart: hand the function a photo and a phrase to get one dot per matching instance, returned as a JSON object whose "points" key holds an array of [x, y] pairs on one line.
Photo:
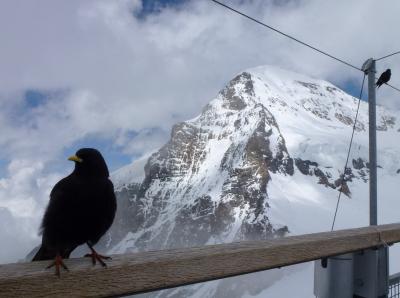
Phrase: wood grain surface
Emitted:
{"points": [[155, 270]]}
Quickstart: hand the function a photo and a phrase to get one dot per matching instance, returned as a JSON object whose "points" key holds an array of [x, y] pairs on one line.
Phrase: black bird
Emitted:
{"points": [[81, 209], [384, 78]]}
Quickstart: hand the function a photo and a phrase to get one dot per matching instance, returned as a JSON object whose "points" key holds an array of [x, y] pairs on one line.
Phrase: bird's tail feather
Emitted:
{"points": [[46, 253]]}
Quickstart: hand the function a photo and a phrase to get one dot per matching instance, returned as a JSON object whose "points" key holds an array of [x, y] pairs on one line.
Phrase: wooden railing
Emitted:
{"points": [[155, 270]]}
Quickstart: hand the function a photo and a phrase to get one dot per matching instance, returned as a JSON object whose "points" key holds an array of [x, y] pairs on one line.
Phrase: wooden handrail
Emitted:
{"points": [[155, 270]]}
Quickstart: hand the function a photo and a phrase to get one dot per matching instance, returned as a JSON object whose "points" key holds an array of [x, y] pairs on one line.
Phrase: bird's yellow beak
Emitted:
{"points": [[75, 158]]}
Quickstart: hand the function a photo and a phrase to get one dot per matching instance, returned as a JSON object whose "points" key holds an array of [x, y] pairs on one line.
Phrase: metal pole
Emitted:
{"points": [[373, 217], [367, 271]]}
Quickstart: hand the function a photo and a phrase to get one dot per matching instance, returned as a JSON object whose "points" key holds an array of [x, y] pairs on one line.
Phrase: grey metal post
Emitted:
{"points": [[373, 217], [367, 271]]}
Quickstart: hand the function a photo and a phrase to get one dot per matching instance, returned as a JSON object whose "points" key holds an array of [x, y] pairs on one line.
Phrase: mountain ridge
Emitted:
{"points": [[263, 159]]}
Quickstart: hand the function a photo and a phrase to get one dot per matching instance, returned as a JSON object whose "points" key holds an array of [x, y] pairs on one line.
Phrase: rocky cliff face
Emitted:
{"points": [[209, 183], [269, 141]]}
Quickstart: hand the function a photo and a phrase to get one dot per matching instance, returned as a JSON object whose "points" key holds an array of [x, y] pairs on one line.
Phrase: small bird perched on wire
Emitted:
{"points": [[384, 78], [81, 209]]}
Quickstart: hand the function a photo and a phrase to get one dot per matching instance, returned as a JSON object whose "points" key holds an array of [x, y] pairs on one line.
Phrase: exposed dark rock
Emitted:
{"points": [[359, 126], [386, 122], [323, 179], [341, 183], [345, 189], [174, 158], [307, 167], [314, 106], [358, 163], [310, 86], [234, 100], [244, 188], [332, 89], [237, 124], [344, 119], [363, 175], [196, 223], [304, 166]]}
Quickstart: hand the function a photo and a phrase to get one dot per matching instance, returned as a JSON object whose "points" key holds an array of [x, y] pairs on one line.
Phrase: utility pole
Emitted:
{"points": [[371, 267], [362, 274], [371, 70]]}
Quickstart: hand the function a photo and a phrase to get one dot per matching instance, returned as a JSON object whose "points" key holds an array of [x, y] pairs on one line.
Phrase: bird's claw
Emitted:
{"points": [[95, 256], [58, 261]]}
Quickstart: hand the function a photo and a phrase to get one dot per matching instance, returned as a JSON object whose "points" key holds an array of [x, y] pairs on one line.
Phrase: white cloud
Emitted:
{"points": [[23, 196], [147, 140], [124, 74], [17, 237], [134, 74]]}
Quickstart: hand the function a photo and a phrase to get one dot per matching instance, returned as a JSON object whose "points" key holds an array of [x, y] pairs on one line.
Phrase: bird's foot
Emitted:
{"points": [[58, 261], [97, 257]]}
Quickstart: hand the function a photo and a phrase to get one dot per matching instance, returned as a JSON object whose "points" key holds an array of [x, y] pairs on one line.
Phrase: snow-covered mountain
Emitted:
{"points": [[263, 159]]}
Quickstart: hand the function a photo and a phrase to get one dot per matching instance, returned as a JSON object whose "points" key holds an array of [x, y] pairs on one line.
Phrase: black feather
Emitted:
{"points": [[81, 209], [384, 78]]}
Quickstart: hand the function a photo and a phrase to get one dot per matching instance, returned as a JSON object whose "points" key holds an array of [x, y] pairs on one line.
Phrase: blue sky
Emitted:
{"points": [[35, 98], [114, 154], [155, 6]]}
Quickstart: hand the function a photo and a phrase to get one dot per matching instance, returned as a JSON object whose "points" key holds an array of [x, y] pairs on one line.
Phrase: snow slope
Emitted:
{"points": [[264, 159]]}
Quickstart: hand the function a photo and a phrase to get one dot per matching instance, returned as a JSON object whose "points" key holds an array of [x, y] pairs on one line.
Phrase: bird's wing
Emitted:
{"points": [[61, 205], [107, 208], [380, 80], [112, 203]]}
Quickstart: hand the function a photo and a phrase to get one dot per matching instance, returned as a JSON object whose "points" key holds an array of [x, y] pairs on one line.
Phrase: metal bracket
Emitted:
{"points": [[367, 66]]}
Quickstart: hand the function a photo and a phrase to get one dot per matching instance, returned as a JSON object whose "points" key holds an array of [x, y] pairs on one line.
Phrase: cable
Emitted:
{"points": [[391, 86], [330, 56], [395, 88], [348, 154], [287, 35], [301, 42], [395, 53]]}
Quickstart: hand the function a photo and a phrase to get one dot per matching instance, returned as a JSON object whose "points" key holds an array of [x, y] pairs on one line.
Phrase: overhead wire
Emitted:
{"points": [[332, 57], [387, 56], [348, 154], [302, 42], [287, 35], [395, 88], [384, 57]]}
